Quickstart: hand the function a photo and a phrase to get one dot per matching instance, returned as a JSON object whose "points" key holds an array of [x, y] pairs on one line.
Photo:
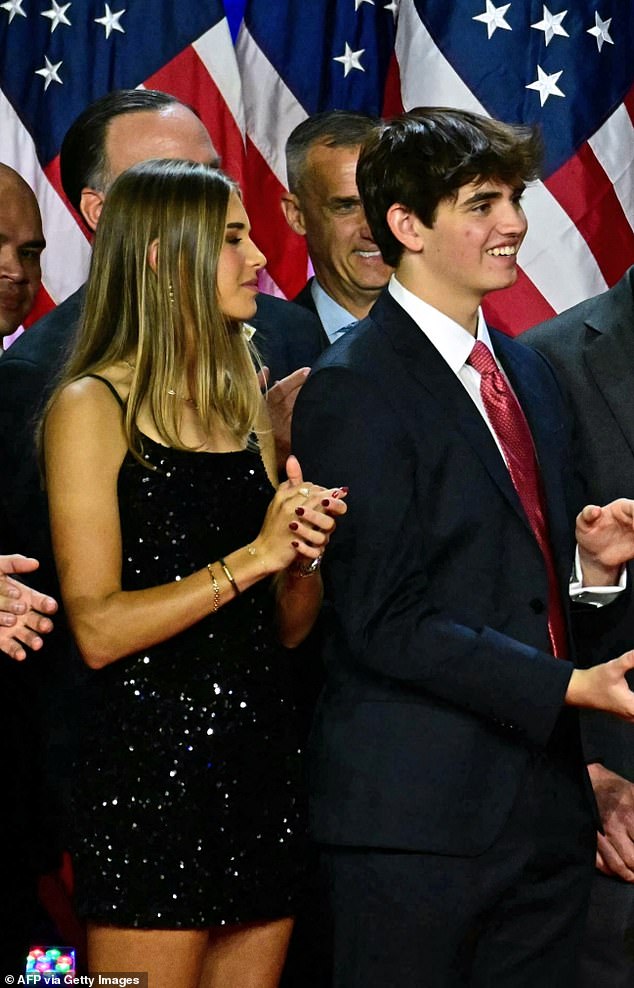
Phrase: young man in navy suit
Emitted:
{"points": [[449, 792]]}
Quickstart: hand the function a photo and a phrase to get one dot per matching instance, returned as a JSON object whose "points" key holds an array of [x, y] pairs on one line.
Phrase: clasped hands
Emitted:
{"points": [[23, 611], [299, 521]]}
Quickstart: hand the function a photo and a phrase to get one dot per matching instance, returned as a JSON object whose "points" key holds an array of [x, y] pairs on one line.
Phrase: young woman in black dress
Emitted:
{"points": [[183, 570]]}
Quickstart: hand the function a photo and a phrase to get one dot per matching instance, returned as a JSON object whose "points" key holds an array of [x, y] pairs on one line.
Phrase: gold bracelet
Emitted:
{"points": [[215, 587], [229, 575]]}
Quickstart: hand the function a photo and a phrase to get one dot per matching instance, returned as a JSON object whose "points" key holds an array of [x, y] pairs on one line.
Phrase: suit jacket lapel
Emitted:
{"points": [[609, 357], [422, 362]]}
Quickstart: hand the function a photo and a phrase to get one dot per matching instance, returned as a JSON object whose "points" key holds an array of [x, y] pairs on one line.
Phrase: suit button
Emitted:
{"points": [[537, 605]]}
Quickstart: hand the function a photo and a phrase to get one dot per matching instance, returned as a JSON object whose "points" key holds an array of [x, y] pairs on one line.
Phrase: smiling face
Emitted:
{"points": [[238, 265], [470, 250], [328, 210], [21, 243]]}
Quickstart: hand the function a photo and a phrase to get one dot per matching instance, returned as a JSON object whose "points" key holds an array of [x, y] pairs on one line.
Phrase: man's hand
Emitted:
{"points": [[22, 610], [605, 537], [604, 687], [615, 799], [280, 399]]}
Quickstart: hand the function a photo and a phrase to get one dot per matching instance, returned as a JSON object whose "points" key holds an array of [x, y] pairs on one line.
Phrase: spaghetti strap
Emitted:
{"points": [[111, 387]]}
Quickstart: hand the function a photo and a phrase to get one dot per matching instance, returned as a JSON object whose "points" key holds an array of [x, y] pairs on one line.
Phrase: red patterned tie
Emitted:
{"points": [[511, 428]]}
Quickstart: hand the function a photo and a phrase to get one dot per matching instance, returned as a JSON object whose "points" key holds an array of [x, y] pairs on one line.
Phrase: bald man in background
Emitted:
{"points": [[21, 243]]}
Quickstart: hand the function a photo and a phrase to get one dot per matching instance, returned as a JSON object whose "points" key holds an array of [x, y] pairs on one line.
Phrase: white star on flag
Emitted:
{"points": [[110, 21], [14, 7], [49, 73], [57, 14], [350, 59], [551, 25], [601, 31], [493, 17], [392, 7], [546, 85], [357, 3]]}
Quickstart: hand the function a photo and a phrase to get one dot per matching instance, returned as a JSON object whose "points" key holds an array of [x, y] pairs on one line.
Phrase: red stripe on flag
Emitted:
{"points": [[287, 260], [392, 102], [518, 308], [586, 193], [187, 78], [52, 173], [43, 304]]}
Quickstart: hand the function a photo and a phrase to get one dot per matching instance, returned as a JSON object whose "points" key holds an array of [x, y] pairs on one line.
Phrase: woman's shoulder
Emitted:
{"points": [[97, 388]]}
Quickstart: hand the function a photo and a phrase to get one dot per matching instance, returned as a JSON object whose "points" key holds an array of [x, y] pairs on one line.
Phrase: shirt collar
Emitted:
{"points": [[452, 341], [333, 316]]}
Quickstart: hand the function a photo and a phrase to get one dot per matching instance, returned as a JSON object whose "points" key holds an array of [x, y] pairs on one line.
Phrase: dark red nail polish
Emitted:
{"points": [[299, 511], [293, 526], [295, 545], [325, 502], [344, 490]]}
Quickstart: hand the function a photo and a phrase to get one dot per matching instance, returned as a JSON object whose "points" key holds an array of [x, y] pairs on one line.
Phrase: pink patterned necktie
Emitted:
{"points": [[511, 428]]}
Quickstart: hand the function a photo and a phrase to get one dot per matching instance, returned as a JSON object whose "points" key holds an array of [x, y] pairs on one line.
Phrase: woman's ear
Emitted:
{"points": [[406, 227], [152, 255]]}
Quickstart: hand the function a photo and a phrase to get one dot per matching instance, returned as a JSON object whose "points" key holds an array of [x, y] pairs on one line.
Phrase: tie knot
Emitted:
{"points": [[482, 359]]}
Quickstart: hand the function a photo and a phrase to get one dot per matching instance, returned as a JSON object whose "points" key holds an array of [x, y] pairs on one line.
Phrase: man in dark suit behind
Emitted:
{"points": [[323, 205], [591, 347], [449, 792]]}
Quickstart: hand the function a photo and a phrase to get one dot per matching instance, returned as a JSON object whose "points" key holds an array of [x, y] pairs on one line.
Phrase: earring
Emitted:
{"points": [[170, 292]]}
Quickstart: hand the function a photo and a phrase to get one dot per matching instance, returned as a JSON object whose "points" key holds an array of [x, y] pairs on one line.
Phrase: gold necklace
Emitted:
{"points": [[171, 392], [188, 401]]}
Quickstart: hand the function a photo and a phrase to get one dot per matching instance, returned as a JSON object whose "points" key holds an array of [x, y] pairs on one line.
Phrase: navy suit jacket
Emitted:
{"points": [[305, 298], [439, 682], [591, 347]]}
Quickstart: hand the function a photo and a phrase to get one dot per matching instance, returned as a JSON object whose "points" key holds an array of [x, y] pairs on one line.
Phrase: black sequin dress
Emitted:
{"points": [[186, 809]]}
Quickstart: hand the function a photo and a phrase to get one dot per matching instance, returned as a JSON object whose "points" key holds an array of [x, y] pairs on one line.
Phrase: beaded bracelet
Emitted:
{"points": [[215, 587], [230, 577]]}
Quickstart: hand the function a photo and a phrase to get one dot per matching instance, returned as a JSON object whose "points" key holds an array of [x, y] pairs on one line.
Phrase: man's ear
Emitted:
{"points": [[152, 255], [293, 213], [406, 227], [90, 205]]}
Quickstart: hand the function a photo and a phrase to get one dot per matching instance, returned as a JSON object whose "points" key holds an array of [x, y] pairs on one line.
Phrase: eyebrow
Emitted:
{"points": [[236, 226], [488, 196], [26, 243]]}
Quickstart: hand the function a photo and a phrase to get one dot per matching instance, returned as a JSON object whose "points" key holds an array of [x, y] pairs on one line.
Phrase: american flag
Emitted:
{"points": [[568, 69], [567, 66], [55, 58]]}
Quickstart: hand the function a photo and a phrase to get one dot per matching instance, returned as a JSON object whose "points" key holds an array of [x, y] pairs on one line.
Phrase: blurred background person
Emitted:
{"points": [[21, 243], [591, 347], [28, 855]]}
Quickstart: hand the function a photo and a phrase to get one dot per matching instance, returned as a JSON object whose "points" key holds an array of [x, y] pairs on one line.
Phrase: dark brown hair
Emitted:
{"points": [[424, 156]]}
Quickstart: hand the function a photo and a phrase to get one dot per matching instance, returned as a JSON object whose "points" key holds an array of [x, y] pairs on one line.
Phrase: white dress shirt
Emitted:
{"points": [[454, 344]]}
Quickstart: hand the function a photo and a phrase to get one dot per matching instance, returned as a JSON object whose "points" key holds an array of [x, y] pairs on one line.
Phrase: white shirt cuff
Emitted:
{"points": [[597, 596]]}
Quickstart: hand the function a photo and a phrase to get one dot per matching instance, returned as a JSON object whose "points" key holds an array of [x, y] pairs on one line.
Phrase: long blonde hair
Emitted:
{"points": [[156, 318]]}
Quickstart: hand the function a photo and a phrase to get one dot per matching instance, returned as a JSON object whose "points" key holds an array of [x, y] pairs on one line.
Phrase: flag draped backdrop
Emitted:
{"points": [[253, 69]]}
